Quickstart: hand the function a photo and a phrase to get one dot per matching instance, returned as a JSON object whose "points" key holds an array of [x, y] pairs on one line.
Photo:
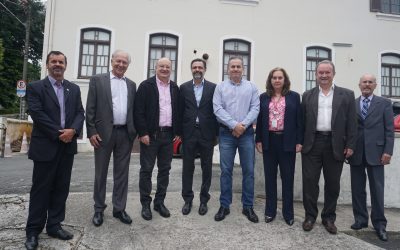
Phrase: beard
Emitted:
{"points": [[198, 75]]}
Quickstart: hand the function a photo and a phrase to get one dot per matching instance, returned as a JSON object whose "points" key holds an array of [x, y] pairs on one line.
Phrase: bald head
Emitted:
{"points": [[163, 69]]}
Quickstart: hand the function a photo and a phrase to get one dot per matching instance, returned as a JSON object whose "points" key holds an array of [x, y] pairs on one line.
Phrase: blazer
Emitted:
{"points": [[343, 120], [147, 108], [375, 133], [293, 127], [44, 109], [189, 111], [99, 107]]}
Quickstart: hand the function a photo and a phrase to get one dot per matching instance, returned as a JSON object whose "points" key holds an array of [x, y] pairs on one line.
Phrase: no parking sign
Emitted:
{"points": [[21, 88]]}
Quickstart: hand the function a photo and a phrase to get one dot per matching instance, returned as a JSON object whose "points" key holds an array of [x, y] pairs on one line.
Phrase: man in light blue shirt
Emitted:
{"points": [[236, 105]]}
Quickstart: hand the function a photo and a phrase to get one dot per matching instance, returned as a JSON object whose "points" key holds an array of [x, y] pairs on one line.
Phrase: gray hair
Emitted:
{"points": [[326, 62], [119, 51]]}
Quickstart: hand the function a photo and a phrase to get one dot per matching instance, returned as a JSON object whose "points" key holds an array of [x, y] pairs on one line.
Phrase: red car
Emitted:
{"points": [[177, 147]]}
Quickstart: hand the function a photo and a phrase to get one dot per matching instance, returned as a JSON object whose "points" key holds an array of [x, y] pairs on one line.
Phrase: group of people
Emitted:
{"points": [[328, 127]]}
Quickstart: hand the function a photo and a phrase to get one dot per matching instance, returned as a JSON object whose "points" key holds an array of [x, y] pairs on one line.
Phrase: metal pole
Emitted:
{"points": [[26, 52]]}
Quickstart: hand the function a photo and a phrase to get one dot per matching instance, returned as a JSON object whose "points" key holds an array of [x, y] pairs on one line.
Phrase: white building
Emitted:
{"points": [[359, 36]]}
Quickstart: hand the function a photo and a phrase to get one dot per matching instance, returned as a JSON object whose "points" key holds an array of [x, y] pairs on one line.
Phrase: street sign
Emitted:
{"points": [[21, 88]]}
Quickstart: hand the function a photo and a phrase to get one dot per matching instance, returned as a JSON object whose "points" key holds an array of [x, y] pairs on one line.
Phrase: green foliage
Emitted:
{"points": [[12, 36]]}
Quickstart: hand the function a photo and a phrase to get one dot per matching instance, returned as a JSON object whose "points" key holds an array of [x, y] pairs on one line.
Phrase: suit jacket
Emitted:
{"points": [[375, 133], [147, 108], [44, 109], [189, 111], [343, 120], [293, 123], [99, 108]]}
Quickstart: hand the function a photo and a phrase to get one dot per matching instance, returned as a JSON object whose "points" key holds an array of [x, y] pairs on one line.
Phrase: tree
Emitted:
{"points": [[12, 35]]}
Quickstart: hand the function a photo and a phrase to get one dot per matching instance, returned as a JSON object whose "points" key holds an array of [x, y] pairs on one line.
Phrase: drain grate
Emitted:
{"points": [[370, 236]]}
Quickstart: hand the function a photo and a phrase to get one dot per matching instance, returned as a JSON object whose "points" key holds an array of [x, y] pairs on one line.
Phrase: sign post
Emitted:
{"points": [[21, 91]]}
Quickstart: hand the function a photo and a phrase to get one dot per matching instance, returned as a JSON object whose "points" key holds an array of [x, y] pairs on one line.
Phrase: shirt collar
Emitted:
{"points": [[369, 97], [331, 89], [201, 84], [159, 82], [53, 81], [112, 76], [233, 83]]}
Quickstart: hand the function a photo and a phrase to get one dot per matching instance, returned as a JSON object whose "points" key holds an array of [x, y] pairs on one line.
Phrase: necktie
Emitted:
{"points": [[60, 97], [364, 109]]}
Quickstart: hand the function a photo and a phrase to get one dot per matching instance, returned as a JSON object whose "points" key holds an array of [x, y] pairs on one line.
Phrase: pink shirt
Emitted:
{"points": [[277, 113], [164, 100]]}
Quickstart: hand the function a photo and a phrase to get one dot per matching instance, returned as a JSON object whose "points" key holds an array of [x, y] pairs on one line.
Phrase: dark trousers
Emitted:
{"points": [[160, 148], [273, 157], [191, 146], [49, 192], [321, 157], [376, 179]]}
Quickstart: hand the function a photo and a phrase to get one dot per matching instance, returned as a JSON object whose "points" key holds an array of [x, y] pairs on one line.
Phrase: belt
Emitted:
{"points": [[276, 132], [225, 127], [324, 133], [164, 129], [119, 126]]}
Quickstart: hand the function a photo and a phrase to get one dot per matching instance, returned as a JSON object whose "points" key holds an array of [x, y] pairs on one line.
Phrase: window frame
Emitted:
{"points": [[238, 53], [390, 66], [376, 6], [316, 60]]}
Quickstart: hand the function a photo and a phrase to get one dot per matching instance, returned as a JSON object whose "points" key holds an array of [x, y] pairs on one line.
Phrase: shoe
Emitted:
{"points": [[203, 208], [162, 210], [60, 234], [222, 212], [31, 242], [98, 218], [249, 213], [358, 225], [268, 219], [308, 225], [382, 235], [146, 212], [289, 222], [123, 217], [329, 226], [187, 208]]}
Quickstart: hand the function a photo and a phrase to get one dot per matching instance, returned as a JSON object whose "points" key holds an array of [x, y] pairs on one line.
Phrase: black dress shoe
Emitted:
{"points": [[269, 219], [358, 225], [61, 234], [382, 235], [162, 210], [289, 222], [203, 208], [330, 226], [31, 242], [97, 219], [222, 212], [308, 224], [251, 216], [123, 217], [146, 212], [186, 208]]}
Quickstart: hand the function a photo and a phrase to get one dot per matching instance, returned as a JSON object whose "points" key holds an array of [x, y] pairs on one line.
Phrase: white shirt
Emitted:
{"points": [[325, 110], [119, 93]]}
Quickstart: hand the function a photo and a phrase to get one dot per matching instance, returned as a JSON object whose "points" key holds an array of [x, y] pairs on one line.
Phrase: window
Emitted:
{"points": [[386, 6], [163, 45], [390, 75], [314, 55], [240, 48], [94, 53]]}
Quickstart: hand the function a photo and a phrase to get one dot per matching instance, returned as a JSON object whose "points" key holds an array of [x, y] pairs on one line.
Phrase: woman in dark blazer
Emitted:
{"points": [[279, 137]]}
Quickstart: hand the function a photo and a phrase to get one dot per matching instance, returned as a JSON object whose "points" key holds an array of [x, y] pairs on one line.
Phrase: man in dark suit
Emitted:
{"points": [[374, 149], [330, 130], [110, 129], [199, 131], [56, 109], [157, 123]]}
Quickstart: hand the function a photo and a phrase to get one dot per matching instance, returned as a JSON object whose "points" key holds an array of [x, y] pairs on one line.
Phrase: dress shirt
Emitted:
{"points": [[325, 110], [59, 91], [277, 112], [236, 103], [198, 92], [165, 105], [362, 100], [119, 93]]}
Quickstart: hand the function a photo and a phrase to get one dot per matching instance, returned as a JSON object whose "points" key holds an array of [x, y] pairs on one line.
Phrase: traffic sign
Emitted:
{"points": [[21, 88]]}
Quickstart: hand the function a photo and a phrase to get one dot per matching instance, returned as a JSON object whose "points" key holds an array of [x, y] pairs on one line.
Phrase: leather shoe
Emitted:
{"points": [[382, 235], [123, 217], [329, 226], [251, 216], [203, 208], [308, 225], [98, 219], [60, 234], [268, 219], [162, 210], [358, 225], [31, 242], [146, 212], [289, 222], [187, 208], [222, 212]]}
